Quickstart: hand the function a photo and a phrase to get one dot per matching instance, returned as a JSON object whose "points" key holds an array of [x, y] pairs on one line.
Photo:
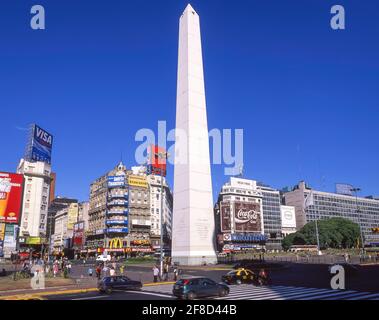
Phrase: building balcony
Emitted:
{"points": [[116, 230], [117, 196], [118, 203], [116, 222]]}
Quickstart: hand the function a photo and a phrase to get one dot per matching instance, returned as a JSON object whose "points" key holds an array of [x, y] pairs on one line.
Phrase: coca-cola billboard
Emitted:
{"points": [[225, 217], [247, 217]]}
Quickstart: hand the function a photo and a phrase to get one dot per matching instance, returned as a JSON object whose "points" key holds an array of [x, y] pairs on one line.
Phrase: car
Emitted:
{"points": [[109, 284], [192, 288], [103, 258], [239, 276]]}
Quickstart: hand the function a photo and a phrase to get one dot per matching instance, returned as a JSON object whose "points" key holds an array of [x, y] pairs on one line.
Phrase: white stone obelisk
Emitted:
{"points": [[193, 233]]}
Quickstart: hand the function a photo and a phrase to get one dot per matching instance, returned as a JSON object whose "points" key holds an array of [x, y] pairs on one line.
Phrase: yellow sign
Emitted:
{"points": [[137, 181], [33, 240], [116, 243], [72, 215], [2, 231]]}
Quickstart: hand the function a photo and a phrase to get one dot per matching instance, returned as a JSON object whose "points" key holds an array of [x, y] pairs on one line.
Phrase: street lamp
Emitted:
{"points": [[356, 190]]}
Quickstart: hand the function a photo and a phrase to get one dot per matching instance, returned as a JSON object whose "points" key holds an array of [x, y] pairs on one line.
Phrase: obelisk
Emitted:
{"points": [[193, 219]]}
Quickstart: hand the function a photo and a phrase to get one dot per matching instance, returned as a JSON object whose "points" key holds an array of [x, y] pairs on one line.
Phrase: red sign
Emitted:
{"points": [[11, 188], [157, 160]]}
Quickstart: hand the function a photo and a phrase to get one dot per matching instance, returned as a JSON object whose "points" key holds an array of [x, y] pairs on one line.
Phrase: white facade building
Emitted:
{"points": [[155, 207], [36, 197], [64, 225]]}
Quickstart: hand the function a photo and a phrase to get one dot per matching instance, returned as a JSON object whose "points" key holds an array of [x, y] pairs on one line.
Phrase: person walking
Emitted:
{"points": [[69, 267], [155, 273], [55, 269], [90, 271], [112, 272], [176, 273], [98, 272]]}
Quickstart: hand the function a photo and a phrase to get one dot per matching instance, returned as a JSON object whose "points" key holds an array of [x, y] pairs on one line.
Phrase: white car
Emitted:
{"points": [[103, 258]]}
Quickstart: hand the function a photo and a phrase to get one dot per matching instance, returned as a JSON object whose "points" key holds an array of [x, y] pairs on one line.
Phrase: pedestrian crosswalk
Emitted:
{"points": [[250, 292]]}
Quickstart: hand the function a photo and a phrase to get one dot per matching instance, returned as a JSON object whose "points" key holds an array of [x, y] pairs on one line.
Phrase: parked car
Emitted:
{"points": [[239, 276], [109, 284], [102, 258], [197, 287]]}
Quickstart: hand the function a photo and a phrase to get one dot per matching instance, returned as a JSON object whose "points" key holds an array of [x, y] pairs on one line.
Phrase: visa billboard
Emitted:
{"points": [[11, 192], [40, 145]]}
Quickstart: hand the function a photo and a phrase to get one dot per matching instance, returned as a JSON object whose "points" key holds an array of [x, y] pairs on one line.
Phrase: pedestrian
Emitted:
{"points": [[98, 272], [155, 273], [105, 270], [176, 272], [90, 271], [112, 272], [122, 270], [69, 267], [55, 269]]}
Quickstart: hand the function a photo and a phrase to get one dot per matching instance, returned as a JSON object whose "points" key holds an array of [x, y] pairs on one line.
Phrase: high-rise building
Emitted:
{"points": [[155, 210], [37, 176], [239, 218], [363, 211], [119, 212], [64, 222], [271, 202], [193, 222]]}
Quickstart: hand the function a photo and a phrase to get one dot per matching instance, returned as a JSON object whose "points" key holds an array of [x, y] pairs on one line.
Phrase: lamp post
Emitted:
{"points": [[356, 190]]}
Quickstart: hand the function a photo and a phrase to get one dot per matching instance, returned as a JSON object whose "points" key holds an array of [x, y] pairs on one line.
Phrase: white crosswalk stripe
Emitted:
{"points": [[250, 292]]}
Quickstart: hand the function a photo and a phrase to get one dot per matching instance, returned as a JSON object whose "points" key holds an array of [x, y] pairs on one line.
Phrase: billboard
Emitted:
{"points": [[344, 189], [225, 217], [78, 238], [11, 189], [137, 181], [72, 215], [40, 145], [116, 181], [288, 216], [157, 163], [2, 231], [247, 217]]}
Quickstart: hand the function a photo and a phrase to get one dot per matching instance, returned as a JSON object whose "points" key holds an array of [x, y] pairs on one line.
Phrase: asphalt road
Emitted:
{"points": [[116, 295]]}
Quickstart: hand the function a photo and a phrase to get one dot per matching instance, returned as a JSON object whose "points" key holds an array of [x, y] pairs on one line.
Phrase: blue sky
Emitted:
{"points": [[306, 96]]}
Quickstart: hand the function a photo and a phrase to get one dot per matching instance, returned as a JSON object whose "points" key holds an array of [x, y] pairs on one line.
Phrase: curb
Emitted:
{"points": [[39, 296]]}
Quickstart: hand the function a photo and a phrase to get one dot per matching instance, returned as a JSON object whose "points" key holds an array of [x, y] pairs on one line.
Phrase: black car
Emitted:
{"points": [[193, 288], [239, 276], [109, 284]]}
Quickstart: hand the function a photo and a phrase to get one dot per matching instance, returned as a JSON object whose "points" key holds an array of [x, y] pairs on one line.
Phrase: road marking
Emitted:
{"points": [[90, 298], [155, 294], [372, 295]]}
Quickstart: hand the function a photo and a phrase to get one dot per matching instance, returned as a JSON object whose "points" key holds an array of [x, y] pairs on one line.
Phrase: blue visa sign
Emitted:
{"points": [[41, 145]]}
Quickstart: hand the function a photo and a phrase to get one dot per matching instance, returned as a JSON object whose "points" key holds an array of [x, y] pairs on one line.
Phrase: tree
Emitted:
{"points": [[333, 233]]}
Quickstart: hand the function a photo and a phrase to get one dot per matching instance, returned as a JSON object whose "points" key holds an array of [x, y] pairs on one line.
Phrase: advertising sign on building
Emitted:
{"points": [[157, 161], [116, 181], [72, 215], [344, 188], [40, 145], [11, 189], [225, 217], [288, 217], [247, 217], [137, 181], [117, 230], [2, 231]]}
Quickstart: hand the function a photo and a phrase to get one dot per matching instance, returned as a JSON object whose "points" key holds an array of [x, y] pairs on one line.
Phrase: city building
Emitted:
{"points": [[119, 213], [83, 213], [155, 211], [64, 222], [239, 218], [37, 176], [254, 197], [363, 211], [288, 220], [193, 221], [271, 203], [56, 205]]}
